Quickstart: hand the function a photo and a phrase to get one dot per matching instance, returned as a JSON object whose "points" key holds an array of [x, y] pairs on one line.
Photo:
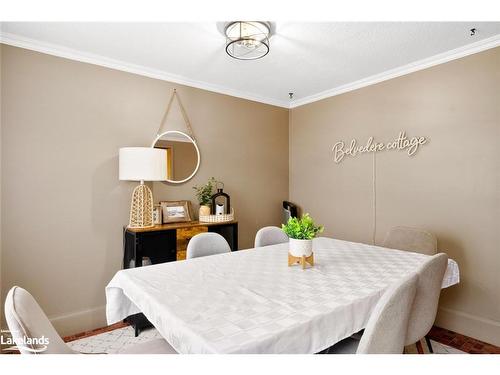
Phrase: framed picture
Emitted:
{"points": [[176, 211], [157, 215]]}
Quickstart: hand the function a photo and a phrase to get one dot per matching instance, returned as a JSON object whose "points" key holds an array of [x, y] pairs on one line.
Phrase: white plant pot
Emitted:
{"points": [[299, 248]]}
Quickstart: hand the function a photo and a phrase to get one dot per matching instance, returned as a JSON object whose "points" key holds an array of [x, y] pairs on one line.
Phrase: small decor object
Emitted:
{"points": [[225, 208], [157, 215], [301, 233], [176, 211], [141, 164], [220, 209], [204, 196], [211, 209]]}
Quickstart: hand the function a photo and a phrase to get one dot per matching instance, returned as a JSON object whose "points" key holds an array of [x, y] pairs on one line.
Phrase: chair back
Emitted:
{"points": [[411, 239], [29, 326], [204, 244], [386, 329], [425, 306], [270, 236]]}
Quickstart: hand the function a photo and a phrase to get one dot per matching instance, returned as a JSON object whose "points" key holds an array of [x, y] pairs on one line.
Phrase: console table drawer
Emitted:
{"points": [[183, 237]]}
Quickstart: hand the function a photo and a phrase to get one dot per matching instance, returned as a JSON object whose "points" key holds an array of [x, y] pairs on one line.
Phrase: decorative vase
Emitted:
{"points": [[300, 248], [204, 210]]}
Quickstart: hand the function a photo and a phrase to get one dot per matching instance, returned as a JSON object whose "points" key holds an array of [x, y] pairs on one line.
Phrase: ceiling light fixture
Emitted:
{"points": [[247, 40]]}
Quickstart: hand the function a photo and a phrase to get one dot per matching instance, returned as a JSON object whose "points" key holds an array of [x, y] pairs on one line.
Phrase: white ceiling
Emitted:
{"points": [[313, 60]]}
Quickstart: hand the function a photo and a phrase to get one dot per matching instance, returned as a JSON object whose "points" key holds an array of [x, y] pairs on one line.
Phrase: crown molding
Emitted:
{"points": [[72, 54], [441, 58]]}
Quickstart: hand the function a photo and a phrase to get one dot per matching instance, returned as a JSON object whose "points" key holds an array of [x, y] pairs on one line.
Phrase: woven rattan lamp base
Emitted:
{"points": [[141, 208], [301, 260]]}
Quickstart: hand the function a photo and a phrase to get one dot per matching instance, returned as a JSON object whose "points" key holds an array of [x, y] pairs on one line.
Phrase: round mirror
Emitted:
{"points": [[183, 155]]}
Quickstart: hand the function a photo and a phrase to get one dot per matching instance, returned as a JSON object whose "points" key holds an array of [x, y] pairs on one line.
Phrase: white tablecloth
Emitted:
{"points": [[251, 302]]}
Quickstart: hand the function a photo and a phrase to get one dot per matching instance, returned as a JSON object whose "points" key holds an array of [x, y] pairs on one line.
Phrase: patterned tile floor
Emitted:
{"points": [[119, 337]]}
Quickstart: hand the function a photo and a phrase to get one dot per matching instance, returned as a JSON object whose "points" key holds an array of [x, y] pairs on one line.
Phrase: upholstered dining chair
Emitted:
{"points": [[411, 239], [204, 244], [386, 329], [270, 236], [27, 321], [425, 306]]}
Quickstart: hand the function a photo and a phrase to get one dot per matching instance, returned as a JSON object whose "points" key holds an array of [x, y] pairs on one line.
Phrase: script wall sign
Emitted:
{"points": [[402, 142]]}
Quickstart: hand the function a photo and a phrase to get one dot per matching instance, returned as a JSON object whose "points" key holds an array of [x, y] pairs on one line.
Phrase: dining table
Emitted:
{"points": [[251, 301]]}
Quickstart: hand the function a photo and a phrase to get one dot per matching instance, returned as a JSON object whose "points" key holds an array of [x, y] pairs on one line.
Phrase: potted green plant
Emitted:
{"points": [[204, 194], [301, 232]]}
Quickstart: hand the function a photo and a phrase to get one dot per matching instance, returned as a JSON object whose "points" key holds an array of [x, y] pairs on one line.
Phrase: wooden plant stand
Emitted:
{"points": [[302, 260]]}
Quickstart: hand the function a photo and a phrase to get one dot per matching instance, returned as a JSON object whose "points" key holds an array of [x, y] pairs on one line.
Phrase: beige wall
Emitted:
{"points": [[63, 206], [451, 187]]}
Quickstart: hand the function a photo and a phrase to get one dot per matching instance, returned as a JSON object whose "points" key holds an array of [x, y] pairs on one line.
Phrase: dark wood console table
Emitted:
{"points": [[167, 243]]}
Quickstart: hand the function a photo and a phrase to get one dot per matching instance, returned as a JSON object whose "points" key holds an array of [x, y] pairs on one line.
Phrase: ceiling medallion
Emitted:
{"points": [[247, 40]]}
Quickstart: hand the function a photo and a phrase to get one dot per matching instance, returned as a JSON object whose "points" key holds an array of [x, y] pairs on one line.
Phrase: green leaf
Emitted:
{"points": [[301, 229], [204, 192]]}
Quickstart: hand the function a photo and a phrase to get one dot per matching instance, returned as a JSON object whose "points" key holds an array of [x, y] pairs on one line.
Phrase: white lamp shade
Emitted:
{"points": [[142, 164]]}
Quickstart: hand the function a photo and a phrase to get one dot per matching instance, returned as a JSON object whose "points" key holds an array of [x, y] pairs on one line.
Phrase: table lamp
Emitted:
{"points": [[142, 164]]}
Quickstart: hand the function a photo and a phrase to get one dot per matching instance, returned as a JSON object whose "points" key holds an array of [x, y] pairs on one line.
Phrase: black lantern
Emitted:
{"points": [[219, 208]]}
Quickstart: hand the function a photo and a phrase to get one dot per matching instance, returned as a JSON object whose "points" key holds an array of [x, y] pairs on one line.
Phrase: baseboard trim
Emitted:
{"points": [[80, 321], [483, 329]]}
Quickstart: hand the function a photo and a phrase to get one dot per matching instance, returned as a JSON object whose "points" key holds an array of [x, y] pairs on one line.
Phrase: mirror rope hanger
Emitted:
{"points": [[183, 112]]}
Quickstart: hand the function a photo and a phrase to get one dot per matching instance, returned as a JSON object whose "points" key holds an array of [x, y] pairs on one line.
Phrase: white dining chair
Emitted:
{"points": [[204, 244], [411, 239], [270, 236], [386, 329], [28, 323], [425, 306]]}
